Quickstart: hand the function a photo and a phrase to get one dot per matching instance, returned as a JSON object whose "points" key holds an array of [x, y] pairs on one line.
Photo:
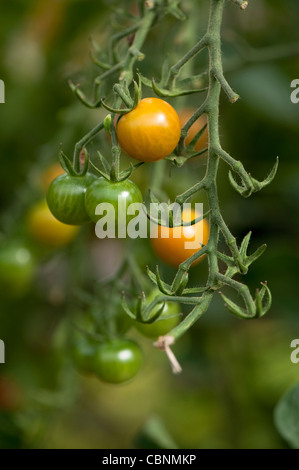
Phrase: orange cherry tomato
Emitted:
{"points": [[45, 228], [171, 246], [151, 131], [184, 115]]}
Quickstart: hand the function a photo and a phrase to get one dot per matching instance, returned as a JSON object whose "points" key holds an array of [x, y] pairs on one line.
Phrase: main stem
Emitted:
{"points": [[212, 111], [213, 39]]}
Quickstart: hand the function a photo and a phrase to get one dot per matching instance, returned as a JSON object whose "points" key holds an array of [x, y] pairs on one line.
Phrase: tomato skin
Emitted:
{"points": [[45, 228], [151, 131], [172, 249], [17, 267], [117, 361], [103, 191], [184, 115], [66, 198], [161, 326]]}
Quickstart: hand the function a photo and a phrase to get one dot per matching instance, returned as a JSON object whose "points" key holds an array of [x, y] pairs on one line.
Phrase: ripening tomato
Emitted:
{"points": [[117, 361], [66, 198], [45, 228], [184, 115], [171, 247], [167, 321], [17, 267], [119, 194], [151, 131]]}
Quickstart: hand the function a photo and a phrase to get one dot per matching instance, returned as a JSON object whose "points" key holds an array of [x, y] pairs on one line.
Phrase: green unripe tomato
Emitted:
{"points": [[160, 327], [17, 267], [117, 361], [66, 198], [118, 194]]}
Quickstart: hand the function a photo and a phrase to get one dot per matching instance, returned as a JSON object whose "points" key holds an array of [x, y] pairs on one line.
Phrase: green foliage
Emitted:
{"points": [[287, 417]]}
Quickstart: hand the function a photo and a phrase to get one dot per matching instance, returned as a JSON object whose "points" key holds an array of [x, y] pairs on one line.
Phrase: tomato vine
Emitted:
{"points": [[170, 85]]}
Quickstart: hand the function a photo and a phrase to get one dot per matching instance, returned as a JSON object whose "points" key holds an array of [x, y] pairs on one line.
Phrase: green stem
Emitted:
{"points": [[193, 316], [116, 37], [175, 69], [211, 106], [79, 145]]}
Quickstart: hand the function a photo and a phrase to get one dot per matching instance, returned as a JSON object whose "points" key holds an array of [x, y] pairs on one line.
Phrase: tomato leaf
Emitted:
{"points": [[286, 417]]}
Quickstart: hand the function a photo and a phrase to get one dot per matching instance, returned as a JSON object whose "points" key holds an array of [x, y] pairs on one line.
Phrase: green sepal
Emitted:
{"points": [[66, 164], [102, 173], [98, 62], [125, 307], [115, 110], [234, 308], [228, 260], [254, 185], [80, 95], [261, 309], [244, 244], [125, 174], [163, 287], [163, 92], [104, 162]]}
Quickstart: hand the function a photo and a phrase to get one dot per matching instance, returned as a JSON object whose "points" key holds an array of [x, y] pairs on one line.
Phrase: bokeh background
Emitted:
{"points": [[234, 372]]}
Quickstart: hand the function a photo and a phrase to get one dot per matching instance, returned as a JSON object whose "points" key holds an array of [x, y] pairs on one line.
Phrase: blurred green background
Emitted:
{"points": [[234, 372]]}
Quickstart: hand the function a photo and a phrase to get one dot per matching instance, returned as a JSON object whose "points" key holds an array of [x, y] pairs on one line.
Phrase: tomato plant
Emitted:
{"points": [[170, 243], [66, 198], [151, 131], [168, 319], [45, 228], [119, 194], [117, 361]]}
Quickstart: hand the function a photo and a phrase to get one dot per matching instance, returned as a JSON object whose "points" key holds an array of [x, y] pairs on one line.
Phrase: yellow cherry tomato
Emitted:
{"points": [[45, 228], [184, 115], [151, 131], [171, 247]]}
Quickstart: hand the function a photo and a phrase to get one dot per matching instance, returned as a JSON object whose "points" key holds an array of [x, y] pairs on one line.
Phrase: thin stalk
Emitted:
{"points": [[79, 145]]}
